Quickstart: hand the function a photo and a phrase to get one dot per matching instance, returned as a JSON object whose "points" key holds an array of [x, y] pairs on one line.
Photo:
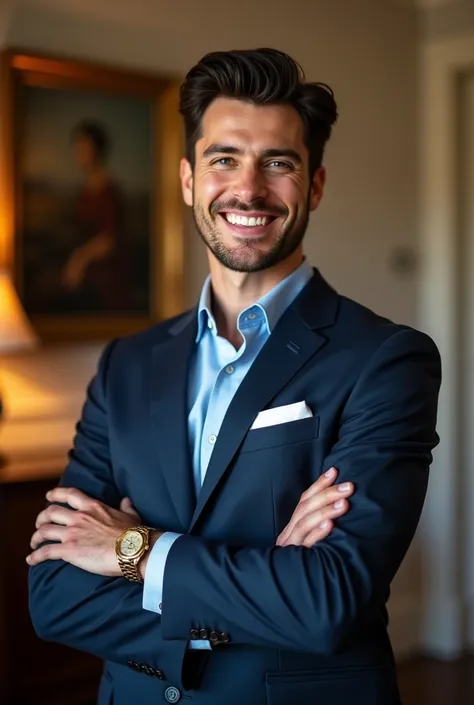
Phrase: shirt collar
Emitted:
{"points": [[205, 317], [273, 304]]}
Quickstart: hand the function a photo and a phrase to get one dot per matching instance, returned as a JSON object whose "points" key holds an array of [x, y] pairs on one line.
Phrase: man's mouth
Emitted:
{"points": [[254, 222]]}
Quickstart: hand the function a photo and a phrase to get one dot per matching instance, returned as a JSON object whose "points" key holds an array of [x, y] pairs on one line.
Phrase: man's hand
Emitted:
{"points": [[312, 519], [85, 533]]}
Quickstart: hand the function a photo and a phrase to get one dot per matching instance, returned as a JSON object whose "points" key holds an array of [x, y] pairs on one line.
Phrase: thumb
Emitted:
{"points": [[127, 507]]}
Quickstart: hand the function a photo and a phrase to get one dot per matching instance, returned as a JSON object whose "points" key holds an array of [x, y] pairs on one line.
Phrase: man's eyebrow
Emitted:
{"points": [[220, 149], [282, 152], [266, 154]]}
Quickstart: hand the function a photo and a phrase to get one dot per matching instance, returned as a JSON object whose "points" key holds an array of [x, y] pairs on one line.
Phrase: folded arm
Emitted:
{"points": [[101, 615], [310, 599]]}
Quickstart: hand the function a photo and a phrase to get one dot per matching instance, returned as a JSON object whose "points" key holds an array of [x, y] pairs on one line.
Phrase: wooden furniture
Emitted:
{"points": [[32, 670]]}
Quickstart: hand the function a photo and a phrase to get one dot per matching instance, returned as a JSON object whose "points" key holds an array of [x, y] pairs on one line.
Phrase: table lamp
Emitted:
{"points": [[16, 332]]}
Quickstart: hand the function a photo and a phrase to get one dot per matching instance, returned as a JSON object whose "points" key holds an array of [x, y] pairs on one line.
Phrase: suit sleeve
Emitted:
{"points": [[310, 599], [100, 615], [153, 583]]}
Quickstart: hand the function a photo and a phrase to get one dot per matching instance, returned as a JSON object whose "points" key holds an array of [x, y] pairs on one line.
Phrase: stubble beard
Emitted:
{"points": [[247, 257]]}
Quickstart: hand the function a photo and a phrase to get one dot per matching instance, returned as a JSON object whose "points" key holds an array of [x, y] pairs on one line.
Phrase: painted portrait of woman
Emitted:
{"points": [[98, 270], [87, 200]]}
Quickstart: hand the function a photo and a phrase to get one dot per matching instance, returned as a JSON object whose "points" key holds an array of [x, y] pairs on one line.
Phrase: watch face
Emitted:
{"points": [[131, 544]]}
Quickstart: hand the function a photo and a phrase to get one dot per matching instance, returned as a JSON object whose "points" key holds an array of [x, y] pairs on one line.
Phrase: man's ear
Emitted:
{"points": [[317, 188], [186, 175]]}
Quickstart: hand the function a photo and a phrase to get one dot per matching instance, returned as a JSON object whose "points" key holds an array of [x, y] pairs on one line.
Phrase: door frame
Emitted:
{"points": [[445, 614]]}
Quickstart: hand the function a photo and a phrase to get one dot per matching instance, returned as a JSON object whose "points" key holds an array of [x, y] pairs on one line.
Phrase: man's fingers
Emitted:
{"points": [[318, 534], [48, 532], [314, 504], [311, 521], [52, 551], [72, 496], [296, 532], [282, 537], [126, 506], [323, 481], [55, 514]]}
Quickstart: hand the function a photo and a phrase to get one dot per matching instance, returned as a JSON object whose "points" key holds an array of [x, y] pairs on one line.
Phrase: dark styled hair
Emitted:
{"points": [[264, 77], [97, 134]]}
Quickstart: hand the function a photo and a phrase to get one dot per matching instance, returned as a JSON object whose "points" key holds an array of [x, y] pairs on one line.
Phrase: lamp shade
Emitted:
{"points": [[16, 332]]}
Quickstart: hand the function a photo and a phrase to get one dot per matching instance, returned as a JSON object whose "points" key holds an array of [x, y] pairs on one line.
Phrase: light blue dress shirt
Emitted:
{"points": [[217, 369]]}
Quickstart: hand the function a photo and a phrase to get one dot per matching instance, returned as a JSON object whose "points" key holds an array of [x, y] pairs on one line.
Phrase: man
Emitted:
{"points": [[216, 429]]}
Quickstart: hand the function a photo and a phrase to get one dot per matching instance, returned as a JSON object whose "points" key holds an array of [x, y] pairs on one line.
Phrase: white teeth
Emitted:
{"points": [[251, 222]]}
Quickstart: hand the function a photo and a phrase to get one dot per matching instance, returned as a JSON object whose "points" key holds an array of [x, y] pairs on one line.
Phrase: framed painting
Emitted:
{"points": [[96, 219]]}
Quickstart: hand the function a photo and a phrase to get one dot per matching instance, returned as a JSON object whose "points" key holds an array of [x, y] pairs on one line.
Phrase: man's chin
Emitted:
{"points": [[245, 261]]}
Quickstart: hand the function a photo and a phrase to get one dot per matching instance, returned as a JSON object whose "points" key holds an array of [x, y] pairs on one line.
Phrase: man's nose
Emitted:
{"points": [[250, 184]]}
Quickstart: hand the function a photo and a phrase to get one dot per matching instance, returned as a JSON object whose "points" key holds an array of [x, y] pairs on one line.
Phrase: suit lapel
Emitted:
{"points": [[169, 413], [293, 342]]}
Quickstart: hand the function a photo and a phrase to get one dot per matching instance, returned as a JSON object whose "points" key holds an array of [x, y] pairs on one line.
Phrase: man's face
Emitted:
{"points": [[250, 190]]}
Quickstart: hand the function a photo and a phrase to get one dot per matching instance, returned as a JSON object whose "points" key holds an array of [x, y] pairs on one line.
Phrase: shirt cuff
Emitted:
{"points": [[155, 571], [203, 645]]}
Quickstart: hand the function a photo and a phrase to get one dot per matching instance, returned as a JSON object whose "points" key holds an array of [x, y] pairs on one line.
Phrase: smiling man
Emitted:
{"points": [[198, 542]]}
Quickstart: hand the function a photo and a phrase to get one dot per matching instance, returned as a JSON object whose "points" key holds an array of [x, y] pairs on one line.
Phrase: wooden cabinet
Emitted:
{"points": [[32, 670]]}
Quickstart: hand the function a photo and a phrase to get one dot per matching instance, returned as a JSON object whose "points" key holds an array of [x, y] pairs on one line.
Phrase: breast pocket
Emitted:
{"points": [[281, 434]]}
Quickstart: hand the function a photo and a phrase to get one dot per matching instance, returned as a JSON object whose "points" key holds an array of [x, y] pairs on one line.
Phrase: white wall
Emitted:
{"points": [[367, 51]]}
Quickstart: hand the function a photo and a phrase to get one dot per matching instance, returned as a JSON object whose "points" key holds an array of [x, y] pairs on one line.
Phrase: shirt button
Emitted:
{"points": [[212, 439], [229, 369], [210, 324], [252, 316], [160, 607]]}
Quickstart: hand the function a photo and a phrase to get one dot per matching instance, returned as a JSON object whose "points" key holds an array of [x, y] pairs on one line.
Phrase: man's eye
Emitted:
{"points": [[277, 164], [223, 161]]}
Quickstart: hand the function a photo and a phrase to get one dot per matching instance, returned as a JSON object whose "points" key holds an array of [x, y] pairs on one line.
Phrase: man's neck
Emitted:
{"points": [[232, 292]]}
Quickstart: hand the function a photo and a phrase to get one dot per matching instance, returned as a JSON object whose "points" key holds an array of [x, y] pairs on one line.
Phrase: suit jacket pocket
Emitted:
{"points": [[281, 434], [374, 685]]}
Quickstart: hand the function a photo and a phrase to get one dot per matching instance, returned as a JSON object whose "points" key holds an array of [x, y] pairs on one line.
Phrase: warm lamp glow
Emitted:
{"points": [[16, 332]]}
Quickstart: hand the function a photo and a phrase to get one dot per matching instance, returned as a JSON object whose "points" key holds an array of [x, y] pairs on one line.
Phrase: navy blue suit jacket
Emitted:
{"points": [[293, 625]]}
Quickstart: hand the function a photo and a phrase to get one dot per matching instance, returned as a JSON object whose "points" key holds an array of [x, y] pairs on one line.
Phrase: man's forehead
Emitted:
{"points": [[243, 122]]}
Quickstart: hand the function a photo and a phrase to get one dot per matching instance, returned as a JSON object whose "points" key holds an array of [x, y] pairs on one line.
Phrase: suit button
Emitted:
{"points": [[203, 633], [214, 638], [194, 634], [172, 694], [225, 638]]}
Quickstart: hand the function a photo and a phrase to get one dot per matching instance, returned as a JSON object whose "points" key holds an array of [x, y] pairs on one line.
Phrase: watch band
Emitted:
{"points": [[130, 570]]}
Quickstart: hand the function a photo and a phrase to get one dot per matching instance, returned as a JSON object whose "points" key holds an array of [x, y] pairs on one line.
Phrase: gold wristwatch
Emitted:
{"points": [[130, 547]]}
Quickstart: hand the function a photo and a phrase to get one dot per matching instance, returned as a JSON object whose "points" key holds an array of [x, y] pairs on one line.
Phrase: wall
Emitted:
{"points": [[447, 59], [447, 19], [366, 50]]}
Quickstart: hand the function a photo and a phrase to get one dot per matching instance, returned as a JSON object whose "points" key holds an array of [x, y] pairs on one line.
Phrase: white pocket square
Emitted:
{"points": [[282, 414]]}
